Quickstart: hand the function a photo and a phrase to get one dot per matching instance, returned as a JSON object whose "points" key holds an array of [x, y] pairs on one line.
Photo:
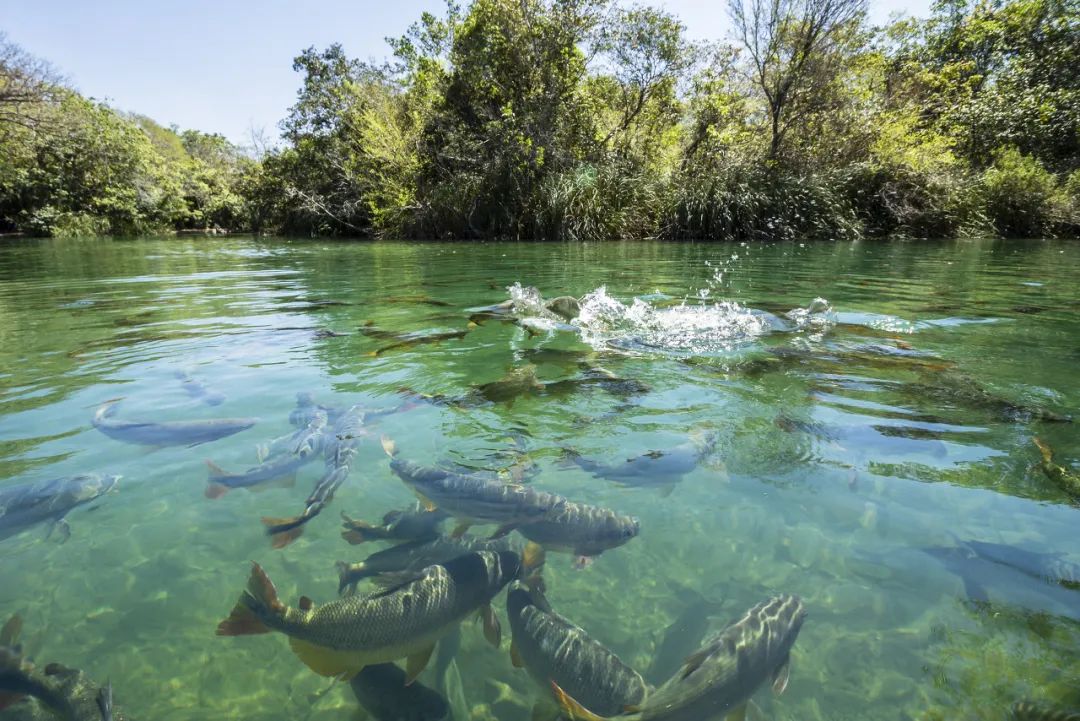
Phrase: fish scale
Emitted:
{"points": [[473, 497], [346, 634], [553, 648]]}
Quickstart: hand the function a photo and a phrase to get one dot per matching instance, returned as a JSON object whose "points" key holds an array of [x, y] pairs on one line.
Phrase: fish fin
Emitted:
{"points": [[582, 562], [260, 592], [492, 628], [388, 446], [666, 491], [326, 661], [739, 714], [9, 634], [416, 663], [63, 529], [283, 531], [515, 657], [242, 621], [502, 531], [215, 471], [780, 677], [390, 582], [460, 529], [215, 490], [571, 708], [693, 662], [533, 558], [631, 708], [344, 578], [306, 604]]}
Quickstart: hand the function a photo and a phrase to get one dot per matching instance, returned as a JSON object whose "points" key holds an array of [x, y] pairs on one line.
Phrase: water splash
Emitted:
{"points": [[695, 328]]}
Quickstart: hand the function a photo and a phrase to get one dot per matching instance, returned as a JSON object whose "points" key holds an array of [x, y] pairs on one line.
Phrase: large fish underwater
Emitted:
{"points": [[343, 636], [167, 433], [720, 678], [27, 504]]}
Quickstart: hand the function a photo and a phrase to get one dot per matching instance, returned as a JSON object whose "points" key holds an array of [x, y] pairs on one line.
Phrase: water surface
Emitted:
{"points": [[847, 452]]}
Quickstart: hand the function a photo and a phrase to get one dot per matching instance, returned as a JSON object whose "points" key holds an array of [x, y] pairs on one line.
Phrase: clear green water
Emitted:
{"points": [[838, 516]]}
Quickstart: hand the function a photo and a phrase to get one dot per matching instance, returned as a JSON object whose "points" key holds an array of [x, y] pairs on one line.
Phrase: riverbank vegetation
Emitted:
{"points": [[581, 119]]}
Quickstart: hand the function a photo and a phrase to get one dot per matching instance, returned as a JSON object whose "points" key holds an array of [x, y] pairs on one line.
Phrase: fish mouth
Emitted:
{"points": [[110, 483]]}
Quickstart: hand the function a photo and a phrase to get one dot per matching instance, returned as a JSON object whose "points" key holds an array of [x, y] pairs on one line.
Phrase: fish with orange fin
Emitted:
{"points": [[1066, 479], [54, 691], [473, 498], [583, 530], [280, 469], [717, 681], [411, 524], [343, 636], [414, 555], [341, 447], [551, 648]]}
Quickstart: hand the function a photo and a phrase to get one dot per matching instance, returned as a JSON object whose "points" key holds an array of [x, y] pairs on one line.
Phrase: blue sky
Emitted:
{"points": [[226, 66]]}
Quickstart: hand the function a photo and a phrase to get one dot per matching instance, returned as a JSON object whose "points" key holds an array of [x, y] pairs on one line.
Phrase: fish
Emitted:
{"points": [[382, 690], [960, 389], [565, 306], [1048, 567], [343, 636], [553, 649], [1015, 583], [411, 524], [199, 390], [26, 504], [306, 409], [1027, 711], [67, 694], [1066, 479], [516, 383], [409, 340], [658, 469], [720, 678], [473, 498], [167, 433], [414, 555], [280, 469], [449, 645], [455, 693], [583, 530], [682, 637], [340, 449], [417, 299]]}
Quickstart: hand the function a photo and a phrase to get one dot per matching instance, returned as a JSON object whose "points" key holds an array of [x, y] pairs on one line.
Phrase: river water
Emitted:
{"points": [[871, 409]]}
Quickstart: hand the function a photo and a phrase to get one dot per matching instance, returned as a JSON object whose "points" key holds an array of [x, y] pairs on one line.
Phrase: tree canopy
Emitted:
{"points": [[585, 119]]}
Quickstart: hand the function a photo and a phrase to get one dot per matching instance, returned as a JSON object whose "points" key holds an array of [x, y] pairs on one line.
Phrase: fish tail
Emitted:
{"points": [[216, 472], [571, 708], [347, 576], [284, 531], [389, 446], [106, 410], [215, 490], [258, 601], [356, 531]]}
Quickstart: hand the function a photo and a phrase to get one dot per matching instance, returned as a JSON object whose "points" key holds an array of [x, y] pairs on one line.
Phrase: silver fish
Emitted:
{"points": [[26, 504], [167, 433]]}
